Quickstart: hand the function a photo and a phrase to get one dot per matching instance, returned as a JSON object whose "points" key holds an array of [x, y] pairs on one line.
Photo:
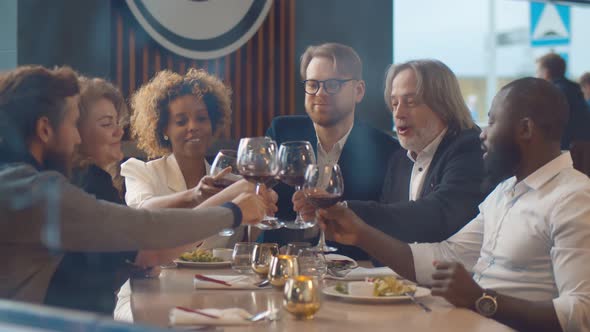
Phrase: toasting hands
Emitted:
{"points": [[341, 224], [209, 186]]}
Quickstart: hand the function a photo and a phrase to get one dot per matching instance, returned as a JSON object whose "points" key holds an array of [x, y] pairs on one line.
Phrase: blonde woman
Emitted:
{"points": [[87, 281]]}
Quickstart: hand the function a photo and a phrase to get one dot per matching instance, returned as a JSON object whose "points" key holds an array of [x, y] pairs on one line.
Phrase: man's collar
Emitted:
{"points": [[546, 172], [430, 149], [340, 144]]}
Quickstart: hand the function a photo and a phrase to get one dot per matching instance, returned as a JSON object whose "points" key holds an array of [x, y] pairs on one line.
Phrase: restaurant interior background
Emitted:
{"points": [[487, 43]]}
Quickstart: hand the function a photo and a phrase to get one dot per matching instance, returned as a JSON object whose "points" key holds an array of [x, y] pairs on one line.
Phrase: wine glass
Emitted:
{"points": [[323, 188], [312, 262], [262, 254], [294, 157], [302, 297], [257, 162], [224, 159], [242, 257]]}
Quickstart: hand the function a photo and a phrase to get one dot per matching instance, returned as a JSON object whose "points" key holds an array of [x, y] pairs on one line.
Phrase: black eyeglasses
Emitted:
{"points": [[331, 86]]}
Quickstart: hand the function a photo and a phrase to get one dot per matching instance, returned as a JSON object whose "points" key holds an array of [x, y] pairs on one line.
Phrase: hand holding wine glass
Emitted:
{"points": [[323, 187], [257, 162], [223, 160], [294, 158]]}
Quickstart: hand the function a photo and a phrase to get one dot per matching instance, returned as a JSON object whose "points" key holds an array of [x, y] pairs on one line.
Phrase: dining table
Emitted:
{"points": [[152, 299]]}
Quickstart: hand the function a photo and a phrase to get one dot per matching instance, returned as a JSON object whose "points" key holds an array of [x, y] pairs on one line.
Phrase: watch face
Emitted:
{"points": [[486, 306]]}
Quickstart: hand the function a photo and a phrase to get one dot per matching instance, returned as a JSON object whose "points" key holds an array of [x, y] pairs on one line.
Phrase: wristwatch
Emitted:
{"points": [[487, 305]]}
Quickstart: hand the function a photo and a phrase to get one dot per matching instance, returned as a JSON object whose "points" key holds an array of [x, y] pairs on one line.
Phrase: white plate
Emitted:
{"points": [[420, 292], [180, 262]]}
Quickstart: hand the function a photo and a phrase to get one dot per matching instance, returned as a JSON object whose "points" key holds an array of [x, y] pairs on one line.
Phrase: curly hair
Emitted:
{"points": [[151, 102]]}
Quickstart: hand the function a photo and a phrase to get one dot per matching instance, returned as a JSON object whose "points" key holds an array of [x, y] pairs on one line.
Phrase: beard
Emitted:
{"points": [[331, 119], [58, 161], [422, 138], [500, 164]]}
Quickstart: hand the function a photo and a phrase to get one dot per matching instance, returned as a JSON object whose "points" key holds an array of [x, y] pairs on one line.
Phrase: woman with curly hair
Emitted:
{"points": [[175, 119]]}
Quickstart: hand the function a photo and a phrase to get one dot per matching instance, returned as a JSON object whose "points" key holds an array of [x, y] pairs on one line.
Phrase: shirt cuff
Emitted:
{"points": [[236, 211], [423, 254]]}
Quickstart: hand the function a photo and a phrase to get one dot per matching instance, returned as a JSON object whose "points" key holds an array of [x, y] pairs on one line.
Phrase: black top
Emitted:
{"points": [[578, 126], [362, 162], [449, 197], [88, 281]]}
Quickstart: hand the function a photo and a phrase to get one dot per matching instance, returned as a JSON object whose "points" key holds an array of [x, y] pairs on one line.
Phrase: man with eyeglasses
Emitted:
{"points": [[433, 186], [333, 84]]}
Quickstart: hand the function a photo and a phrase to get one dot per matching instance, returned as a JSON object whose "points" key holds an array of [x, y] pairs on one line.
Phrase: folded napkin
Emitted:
{"points": [[225, 282], [231, 316], [360, 273]]}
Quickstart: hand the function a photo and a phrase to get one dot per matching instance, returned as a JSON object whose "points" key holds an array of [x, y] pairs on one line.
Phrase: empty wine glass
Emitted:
{"points": [[257, 162], [294, 158], [224, 159], [323, 187], [312, 262]]}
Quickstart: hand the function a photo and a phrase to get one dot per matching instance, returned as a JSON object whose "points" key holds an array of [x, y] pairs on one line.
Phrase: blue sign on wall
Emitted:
{"points": [[550, 24]]}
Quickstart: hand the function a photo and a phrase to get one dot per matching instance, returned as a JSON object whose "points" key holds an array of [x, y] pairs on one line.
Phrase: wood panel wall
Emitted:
{"points": [[262, 73]]}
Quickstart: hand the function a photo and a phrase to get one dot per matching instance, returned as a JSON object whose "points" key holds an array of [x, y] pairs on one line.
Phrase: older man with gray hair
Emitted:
{"points": [[433, 187]]}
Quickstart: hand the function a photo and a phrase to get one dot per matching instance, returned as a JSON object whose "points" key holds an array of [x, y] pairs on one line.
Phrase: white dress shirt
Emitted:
{"points": [[421, 165], [158, 177], [530, 240], [332, 157]]}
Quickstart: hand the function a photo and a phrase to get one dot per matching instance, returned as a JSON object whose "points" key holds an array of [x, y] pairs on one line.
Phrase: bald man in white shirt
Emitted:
{"points": [[531, 239]]}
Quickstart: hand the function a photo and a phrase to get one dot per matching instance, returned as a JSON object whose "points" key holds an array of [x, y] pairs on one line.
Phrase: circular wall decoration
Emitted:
{"points": [[200, 29]]}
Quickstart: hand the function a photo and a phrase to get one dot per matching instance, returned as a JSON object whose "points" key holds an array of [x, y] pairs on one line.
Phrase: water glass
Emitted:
{"points": [[242, 257], [312, 262]]}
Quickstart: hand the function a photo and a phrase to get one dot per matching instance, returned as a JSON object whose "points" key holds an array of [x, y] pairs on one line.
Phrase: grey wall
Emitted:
{"points": [[8, 36], [365, 25], [72, 32]]}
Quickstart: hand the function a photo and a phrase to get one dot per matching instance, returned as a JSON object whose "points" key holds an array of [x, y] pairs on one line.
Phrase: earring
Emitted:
{"points": [[165, 137]]}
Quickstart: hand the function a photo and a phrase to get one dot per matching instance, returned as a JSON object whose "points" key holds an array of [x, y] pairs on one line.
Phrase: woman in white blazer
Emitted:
{"points": [[175, 119]]}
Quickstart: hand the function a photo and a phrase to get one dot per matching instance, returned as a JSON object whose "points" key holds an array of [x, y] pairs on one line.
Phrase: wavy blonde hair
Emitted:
{"points": [[151, 102], [91, 91]]}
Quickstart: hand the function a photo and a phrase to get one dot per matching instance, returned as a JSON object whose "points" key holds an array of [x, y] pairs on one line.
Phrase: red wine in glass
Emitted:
{"points": [[294, 158], [322, 201], [293, 180]]}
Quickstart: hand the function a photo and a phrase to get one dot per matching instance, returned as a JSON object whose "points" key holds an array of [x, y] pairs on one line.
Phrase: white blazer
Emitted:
{"points": [[161, 177], [155, 178]]}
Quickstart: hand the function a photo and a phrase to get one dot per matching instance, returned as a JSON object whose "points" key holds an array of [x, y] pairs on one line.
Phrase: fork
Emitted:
{"points": [[415, 300], [259, 316]]}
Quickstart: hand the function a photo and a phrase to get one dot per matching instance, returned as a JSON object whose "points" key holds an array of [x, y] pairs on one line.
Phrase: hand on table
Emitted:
{"points": [[453, 282]]}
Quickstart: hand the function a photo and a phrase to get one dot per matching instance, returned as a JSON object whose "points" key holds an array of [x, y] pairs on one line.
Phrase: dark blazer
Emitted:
{"points": [[363, 165], [449, 198], [578, 125], [88, 281]]}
